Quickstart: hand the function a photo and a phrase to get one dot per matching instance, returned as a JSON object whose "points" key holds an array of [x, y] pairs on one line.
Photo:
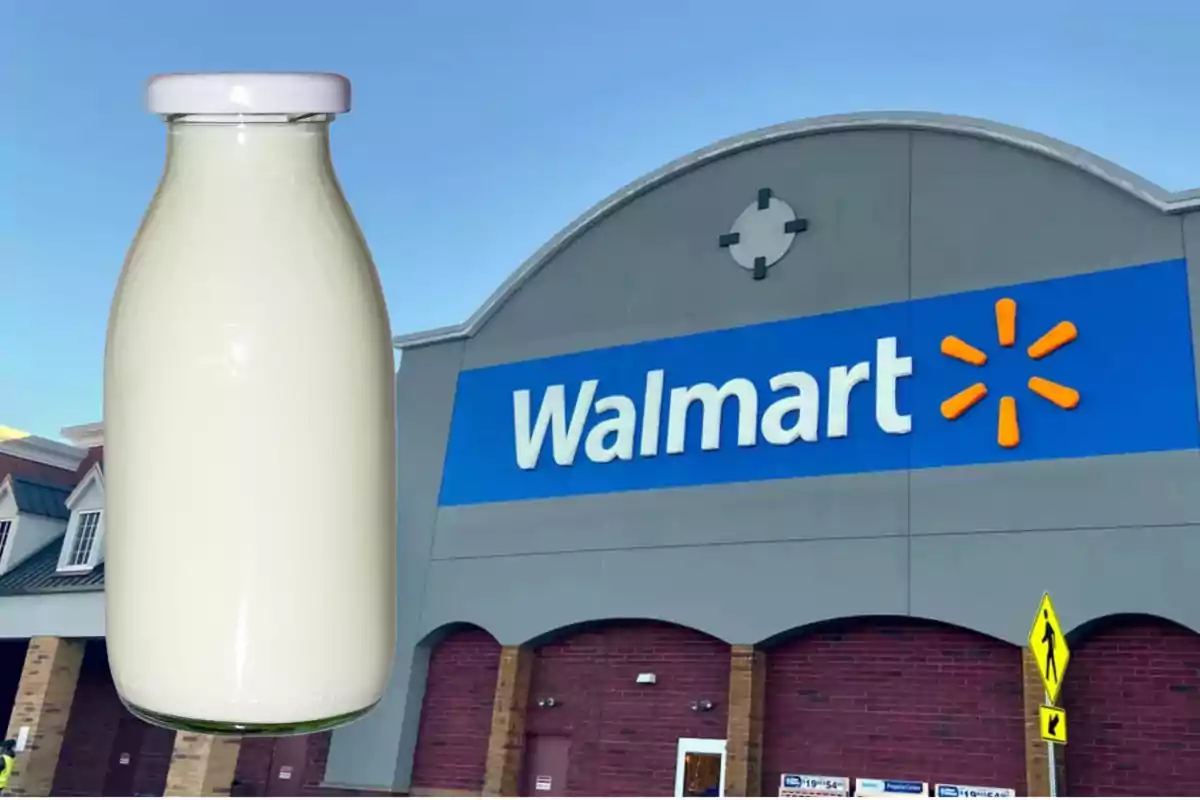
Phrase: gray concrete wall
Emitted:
{"points": [[897, 214]]}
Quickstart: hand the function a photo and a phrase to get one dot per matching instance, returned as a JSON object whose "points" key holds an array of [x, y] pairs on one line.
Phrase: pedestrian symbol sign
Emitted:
{"points": [[1049, 648], [1053, 724]]}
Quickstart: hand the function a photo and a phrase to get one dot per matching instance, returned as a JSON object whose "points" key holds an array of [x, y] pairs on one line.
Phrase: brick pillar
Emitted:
{"points": [[1037, 760], [506, 744], [202, 765], [43, 704], [743, 739]]}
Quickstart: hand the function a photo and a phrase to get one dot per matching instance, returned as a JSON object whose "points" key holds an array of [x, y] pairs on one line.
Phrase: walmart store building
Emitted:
{"points": [[762, 467], [771, 457]]}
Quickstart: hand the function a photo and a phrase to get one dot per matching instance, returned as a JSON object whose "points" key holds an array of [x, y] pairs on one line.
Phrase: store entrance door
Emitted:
{"points": [[700, 768], [124, 756], [289, 758], [546, 759]]}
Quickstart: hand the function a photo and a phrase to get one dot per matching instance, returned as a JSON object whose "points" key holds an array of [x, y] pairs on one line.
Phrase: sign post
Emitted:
{"points": [[1052, 654]]}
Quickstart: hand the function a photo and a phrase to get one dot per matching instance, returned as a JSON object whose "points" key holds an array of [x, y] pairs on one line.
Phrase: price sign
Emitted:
{"points": [[796, 785]]}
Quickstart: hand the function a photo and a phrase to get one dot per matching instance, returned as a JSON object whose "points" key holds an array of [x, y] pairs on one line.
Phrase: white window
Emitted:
{"points": [[81, 545], [5, 527]]}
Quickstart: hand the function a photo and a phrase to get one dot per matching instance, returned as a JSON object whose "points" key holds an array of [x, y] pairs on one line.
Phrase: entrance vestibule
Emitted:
{"points": [[700, 768]]}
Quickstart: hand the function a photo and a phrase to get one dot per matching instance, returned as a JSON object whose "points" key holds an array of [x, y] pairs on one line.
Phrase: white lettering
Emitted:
{"points": [[551, 414], [712, 400], [622, 427], [613, 435], [888, 369], [652, 412], [806, 403], [841, 381]]}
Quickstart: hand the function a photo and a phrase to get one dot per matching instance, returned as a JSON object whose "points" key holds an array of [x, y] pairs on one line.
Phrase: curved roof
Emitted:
{"points": [[1135, 185]]}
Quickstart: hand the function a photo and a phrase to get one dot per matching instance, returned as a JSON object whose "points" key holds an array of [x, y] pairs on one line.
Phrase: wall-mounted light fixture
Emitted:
{"points": [[647, 677], [702, 705], [547, 702]]}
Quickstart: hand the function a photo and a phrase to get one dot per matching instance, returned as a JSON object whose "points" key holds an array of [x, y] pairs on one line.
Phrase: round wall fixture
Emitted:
{"points": [[763, 233]]}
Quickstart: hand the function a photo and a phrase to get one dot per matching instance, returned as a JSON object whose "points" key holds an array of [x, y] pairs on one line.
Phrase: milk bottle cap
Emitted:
{"points": [[249, 93]]}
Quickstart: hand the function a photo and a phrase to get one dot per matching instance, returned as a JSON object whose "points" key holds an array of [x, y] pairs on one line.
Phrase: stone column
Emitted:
{"points": [[1037, 760], [506, 744], [43, 704], [743, 739], [202, 765]]}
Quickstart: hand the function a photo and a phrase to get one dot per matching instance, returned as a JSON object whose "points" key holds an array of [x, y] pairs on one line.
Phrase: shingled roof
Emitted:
{"points": [[43, 499], [39, 574]]}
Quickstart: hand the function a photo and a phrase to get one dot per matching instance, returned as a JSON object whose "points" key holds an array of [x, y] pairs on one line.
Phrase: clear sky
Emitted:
{"points": [[480, 128]]}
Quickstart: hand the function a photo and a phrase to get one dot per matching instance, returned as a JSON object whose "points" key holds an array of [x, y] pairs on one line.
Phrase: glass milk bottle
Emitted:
{"points": [[249, 424]]}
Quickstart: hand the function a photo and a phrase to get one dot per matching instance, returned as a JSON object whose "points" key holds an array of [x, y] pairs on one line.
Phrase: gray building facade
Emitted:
{"points": [[726, 398]]}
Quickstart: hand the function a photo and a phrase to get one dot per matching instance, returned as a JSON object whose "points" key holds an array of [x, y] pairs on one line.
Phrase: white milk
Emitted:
{"points": [[249, 431]]}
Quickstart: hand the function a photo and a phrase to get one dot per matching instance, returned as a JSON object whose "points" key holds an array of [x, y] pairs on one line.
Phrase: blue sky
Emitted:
{"points": [[481, 128]]}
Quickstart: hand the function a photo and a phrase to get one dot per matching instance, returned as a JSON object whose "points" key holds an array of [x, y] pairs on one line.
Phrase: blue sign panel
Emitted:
{"points": [[959, 790], [1091, 365]]}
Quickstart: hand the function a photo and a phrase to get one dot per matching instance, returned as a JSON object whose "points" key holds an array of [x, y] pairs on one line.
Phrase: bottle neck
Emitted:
{"points": [[239, 149]]}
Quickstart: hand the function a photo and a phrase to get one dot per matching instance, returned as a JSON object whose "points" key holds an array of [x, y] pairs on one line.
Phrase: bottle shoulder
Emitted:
{"points": [[307, 274], [316, 223]]}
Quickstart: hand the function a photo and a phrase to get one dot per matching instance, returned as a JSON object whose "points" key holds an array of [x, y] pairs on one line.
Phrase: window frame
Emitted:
{"points": [[7, 526], [74, 530]]}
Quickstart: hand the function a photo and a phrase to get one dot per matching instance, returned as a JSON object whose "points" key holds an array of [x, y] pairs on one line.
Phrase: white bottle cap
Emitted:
{"points": [[249, 93]]}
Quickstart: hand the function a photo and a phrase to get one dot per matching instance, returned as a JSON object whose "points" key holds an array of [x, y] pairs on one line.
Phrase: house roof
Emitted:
{"points": [[95, 474], [43, 499], [39, 574]]}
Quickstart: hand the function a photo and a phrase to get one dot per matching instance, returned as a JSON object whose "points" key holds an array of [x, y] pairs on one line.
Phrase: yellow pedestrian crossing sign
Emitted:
{"points": [[1053, 724], [1049, 648]]}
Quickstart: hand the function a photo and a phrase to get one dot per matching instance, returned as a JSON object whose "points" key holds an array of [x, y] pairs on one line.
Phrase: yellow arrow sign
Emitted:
{"points": [[1053, 724], [1049, 647]]}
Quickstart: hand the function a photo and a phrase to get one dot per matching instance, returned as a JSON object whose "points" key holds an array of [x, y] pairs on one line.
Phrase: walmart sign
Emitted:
{"points": [[1085, 366]]}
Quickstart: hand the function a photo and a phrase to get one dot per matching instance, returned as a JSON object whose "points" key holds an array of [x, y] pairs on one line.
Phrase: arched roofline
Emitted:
{"points": [[868, 620], [1150, 193], [1078, 633], [1098, 625], [563, 631], [434, 637]]}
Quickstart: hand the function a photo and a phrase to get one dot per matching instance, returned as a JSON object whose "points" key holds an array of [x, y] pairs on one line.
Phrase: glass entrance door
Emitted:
{"points": [[700, 768]]}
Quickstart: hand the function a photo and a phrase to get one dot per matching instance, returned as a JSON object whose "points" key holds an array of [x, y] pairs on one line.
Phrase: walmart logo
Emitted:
{"points": [[1008, 433], [875, 389]]}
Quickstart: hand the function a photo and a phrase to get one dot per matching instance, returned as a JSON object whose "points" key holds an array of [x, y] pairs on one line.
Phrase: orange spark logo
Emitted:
{"points": [[1008, 433]]}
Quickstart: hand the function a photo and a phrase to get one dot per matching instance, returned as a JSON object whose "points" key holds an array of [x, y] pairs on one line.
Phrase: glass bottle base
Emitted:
{"points": [[218, 728]]}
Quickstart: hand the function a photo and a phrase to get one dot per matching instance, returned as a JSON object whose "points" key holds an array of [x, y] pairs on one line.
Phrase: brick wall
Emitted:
{"points": [[456, 716], [623, 735], [901, 699], [154, 761], [1132, 696], [315, 762], [35, 471], [253, 767], [94, 455], [97, 717], [256, 757]]}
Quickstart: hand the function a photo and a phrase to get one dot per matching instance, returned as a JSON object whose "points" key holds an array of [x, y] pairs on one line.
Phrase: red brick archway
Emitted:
{"points": [[894, 698], [1132, 696], [456, 714], [623, 736]]}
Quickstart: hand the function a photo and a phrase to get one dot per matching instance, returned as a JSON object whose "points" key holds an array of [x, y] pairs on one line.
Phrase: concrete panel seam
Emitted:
{"points": [[437, 507], [675, 546]]}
